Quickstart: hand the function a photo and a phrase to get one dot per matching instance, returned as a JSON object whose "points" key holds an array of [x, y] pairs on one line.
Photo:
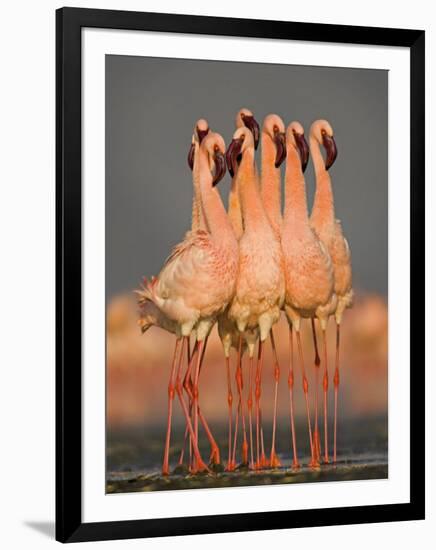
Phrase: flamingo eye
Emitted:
{"points": [[275, 128]]}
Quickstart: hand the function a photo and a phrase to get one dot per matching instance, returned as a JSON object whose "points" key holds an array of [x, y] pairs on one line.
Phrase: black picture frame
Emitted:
{"points": [[69, 23]]}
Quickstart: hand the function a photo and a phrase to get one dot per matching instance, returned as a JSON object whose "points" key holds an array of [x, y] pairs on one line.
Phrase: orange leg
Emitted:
{"points": [[198, 415], [313, 461], [215, 452], [274, 459], [295, 463], [316, 438], [263, 461], [235, 436], [188, 386], [185, 382], [200, 465], [257, 393], [336, 384], [230, 465], [239, 383], [250, 410], [171, 391], [325, 384]]}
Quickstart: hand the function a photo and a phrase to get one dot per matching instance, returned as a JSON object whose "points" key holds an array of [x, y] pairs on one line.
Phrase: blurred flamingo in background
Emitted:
{"points": [[329, 231], [308, 268], [260, 284]]}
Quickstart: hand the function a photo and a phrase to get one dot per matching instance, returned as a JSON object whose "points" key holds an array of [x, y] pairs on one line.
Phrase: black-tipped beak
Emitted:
{"points": [[280, 141], [251, 123], [331, 150], [191, 156], [303, 150], [202, 134], [232, 153], [220, 167]]}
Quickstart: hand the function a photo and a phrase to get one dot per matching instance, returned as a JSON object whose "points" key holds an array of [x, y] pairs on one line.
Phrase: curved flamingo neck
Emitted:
{"points": [[215, 214], [234, 209], [296, 213], [323, 211], [271, 183], [197, 218], [253, 212]]}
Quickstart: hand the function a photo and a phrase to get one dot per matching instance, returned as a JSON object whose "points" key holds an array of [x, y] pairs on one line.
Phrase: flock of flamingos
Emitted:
{"points": [[239, 268]]}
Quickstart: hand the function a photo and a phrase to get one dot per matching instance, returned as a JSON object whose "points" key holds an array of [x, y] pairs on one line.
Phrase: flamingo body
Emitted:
{"points": [[326, 226]]}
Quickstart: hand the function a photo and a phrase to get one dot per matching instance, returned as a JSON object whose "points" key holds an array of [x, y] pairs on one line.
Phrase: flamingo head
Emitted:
{"points": [[201, 129], [242, 141], [274, 127], [295, 138], [323, 134], [246, 118], [215, 148]]}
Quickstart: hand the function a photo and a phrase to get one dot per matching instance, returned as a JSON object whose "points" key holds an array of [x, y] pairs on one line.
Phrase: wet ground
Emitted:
{"points": [[134, 459]]}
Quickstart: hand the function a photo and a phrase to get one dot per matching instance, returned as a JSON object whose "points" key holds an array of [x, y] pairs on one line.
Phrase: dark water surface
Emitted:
{"points": [[134, 459]]}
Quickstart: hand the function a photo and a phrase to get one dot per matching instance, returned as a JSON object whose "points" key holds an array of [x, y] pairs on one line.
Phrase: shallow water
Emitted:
{"points": [[134, 459]]}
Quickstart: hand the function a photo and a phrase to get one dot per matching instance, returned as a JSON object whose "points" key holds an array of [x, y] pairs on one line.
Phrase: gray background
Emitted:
{"points": [[151, 107]]}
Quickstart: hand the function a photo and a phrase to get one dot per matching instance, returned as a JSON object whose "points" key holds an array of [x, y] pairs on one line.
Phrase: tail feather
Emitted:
{"points": [[147, 291]]}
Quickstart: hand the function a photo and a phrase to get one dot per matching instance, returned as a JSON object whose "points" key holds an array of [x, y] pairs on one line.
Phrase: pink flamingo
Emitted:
{"points": [[329, 231], [227, 329], [201, 129], [260, 284], [273, 154], [308, 268], [198, 279], [150, 314]]}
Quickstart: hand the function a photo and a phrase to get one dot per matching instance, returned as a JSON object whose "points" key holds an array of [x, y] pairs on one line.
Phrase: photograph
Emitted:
{"points": [[246, 265]]}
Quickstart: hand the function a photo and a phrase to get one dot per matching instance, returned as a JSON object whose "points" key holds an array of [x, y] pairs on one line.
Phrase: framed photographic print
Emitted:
{"points": [[240, 247]]}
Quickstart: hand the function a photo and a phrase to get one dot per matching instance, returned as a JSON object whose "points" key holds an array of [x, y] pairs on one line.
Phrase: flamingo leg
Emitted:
{"points": [[235, 435], [325, 384], [274, 459], [313, 462], [188, 386], [200, 465], [263, 461], [295, 463], [197, 413], [316, 438], [195, 389], [250, 409], [257, 393], [239, 383], [171, 392], [185, 437], [230, 465], [214, 449], [336, 384]]}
